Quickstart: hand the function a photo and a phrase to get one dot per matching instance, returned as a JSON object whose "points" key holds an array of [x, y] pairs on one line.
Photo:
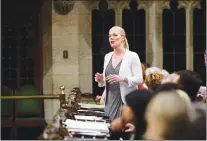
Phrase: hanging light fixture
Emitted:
{"points": [[103, 6], [63, 7], [174, 5]]}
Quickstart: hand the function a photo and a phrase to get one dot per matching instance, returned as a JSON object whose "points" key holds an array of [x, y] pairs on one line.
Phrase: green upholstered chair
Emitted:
{"points": [[28, 112], [28, 108], [7, 114]]}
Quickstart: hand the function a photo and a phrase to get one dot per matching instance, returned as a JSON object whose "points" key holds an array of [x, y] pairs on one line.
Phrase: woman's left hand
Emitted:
{"points": [[114, 78]]}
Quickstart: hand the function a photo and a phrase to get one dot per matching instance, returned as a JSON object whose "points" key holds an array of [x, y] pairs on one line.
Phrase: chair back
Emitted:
{"points": [[25, 108]]}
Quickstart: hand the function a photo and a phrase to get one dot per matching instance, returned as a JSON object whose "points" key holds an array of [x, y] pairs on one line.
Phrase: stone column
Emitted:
{"points": [[119, 8], [146, 6], [46, 20], [85, 47], [189, 32], [155, 32], [189, 38], [65, 37], [118, 15]]}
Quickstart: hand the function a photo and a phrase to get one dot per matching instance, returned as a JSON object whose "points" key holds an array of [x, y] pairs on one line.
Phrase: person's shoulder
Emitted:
{"points": [[132, 53], [109, 54]]}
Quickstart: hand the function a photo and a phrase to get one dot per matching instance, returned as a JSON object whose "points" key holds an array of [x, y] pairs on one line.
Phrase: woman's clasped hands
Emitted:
{"points": [[113, 78]]}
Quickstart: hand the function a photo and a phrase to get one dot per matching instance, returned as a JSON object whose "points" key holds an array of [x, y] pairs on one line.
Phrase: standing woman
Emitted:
{"points": [[122, 72]]}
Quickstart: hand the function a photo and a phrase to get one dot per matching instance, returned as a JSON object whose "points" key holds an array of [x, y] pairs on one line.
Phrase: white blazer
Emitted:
{"points": [[130, 68]]}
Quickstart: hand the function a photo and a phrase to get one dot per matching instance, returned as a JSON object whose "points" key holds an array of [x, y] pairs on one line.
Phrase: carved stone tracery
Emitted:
{"points": [[119, 6]]}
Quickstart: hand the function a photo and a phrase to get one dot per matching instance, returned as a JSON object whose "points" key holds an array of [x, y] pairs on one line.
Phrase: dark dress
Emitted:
{"points": [[113, 94]]}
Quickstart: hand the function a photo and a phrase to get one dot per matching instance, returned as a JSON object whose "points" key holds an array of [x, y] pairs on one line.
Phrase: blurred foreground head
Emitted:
{"points": [[167, 116], [197, 130], [191, 82], [133, 112], [169, 86], [137, 101]]}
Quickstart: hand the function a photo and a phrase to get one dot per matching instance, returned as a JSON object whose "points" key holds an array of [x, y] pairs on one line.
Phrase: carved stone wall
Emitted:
{"points": [[47, 57], [71, 32]]}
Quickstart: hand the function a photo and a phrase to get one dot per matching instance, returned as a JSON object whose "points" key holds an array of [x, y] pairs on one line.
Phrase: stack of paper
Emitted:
{"points": [[91, 111], [92, 128], [91, 106], [80, 117]]}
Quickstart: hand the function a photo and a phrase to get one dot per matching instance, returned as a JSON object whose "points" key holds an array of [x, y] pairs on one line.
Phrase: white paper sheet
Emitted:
{"points": [[92, 134], [80, 117], [90, 111], [91, 106], [94, 126]]}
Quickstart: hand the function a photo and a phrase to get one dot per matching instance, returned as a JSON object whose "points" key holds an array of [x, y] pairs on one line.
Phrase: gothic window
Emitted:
{"points": [[101, 23], [199, 41], [134, 26], [174, 39]]}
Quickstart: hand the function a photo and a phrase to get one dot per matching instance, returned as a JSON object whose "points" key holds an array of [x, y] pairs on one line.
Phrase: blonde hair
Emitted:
{"points": [[123, 33], [152, 70], [184, 96], [171, 112], [153, 80], [143, 70]]}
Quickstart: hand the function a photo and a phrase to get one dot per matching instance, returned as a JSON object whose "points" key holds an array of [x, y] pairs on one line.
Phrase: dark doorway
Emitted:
{"points": [[21, 50], [21, 57]]}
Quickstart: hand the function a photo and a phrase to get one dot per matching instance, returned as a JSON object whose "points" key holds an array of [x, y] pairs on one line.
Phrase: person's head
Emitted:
{"points": [[201, 95], [167, 117], [171, 78], [133, 112], [136, 102], [117, 38], [191, 82], [147, 65], [197, 130], [153, 80], [173, 87], [184, 96], [168, 87], [152, 70], [164, 73]]}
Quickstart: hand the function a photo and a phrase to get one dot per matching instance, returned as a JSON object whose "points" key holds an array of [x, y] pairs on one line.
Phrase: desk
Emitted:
{"points": [[61, 117]]}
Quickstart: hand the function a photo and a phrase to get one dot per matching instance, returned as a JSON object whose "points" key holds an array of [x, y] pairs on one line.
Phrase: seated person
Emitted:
{"points": [[153, 81], [201, 96], [191, 82], [169, 86], [197, 130], [132, 114], [168, 117]]}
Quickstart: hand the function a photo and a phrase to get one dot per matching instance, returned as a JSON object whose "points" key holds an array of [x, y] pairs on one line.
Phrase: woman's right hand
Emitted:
{"points": [[98, 77]]}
